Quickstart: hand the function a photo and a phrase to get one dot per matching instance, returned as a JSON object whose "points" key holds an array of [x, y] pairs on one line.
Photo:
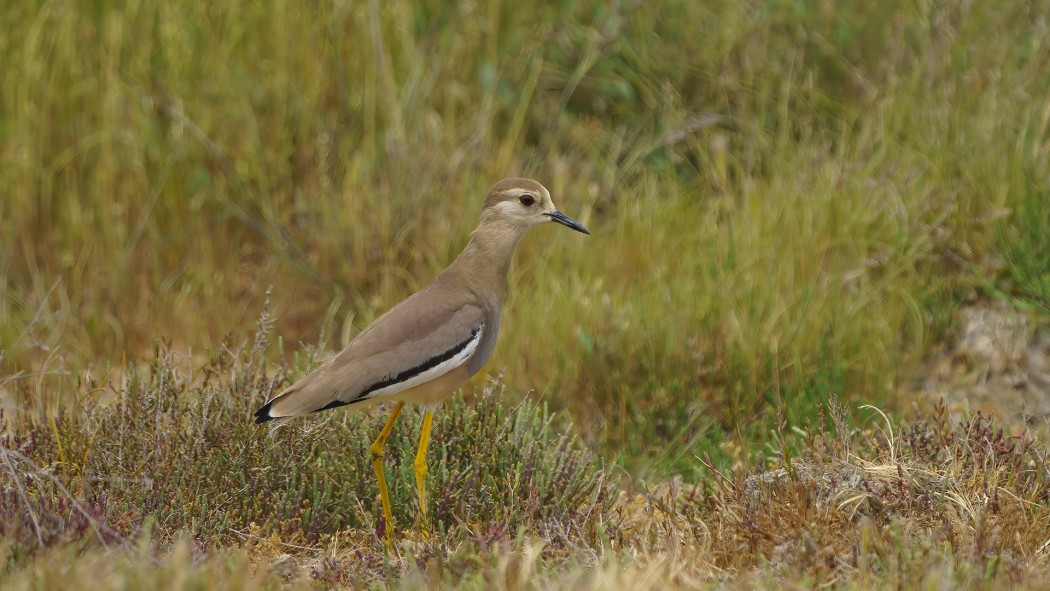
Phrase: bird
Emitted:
{"points": [[424, 348]]}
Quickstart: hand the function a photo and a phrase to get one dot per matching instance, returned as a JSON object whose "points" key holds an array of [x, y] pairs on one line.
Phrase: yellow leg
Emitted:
{"points": [[420, 466], [377, 463]]}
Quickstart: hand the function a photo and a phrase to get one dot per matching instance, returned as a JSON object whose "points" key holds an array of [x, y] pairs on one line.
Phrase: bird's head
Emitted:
{"points": [[523, 203]]}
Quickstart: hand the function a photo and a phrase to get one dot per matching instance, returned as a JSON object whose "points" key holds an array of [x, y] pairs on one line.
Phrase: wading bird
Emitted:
{"points": [[427, 346]]}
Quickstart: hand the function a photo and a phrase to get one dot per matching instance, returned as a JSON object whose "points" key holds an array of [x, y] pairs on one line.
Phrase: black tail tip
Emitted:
{"points": [[263, 414]]}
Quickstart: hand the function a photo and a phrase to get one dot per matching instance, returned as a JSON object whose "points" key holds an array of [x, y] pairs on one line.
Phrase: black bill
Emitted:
{"points": [[565, 220]]}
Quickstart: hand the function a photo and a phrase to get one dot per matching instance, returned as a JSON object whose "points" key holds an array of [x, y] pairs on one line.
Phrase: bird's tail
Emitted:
{"points": [[300, 398], [289, 403]]}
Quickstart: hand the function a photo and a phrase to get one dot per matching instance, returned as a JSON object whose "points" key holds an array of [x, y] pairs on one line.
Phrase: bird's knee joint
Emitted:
{"points": [[420, 466], [377, 452]]}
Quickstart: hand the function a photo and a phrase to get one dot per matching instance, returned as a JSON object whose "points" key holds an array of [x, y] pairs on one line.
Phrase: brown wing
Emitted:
{"points": [[422, 338]]}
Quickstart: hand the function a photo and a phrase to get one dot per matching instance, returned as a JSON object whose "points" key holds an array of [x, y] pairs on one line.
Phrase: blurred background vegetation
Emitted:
{"points": [[788, 199]]}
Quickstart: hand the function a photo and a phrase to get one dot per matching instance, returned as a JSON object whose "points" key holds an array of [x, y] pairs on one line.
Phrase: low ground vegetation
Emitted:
{"points": [[165, 485]]}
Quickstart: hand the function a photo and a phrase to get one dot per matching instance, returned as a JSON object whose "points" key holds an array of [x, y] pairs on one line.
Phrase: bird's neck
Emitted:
{"points": [[487, 257]]}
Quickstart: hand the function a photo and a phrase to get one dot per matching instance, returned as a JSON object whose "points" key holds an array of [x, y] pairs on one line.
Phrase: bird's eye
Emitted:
{"points": [[527, 200]]}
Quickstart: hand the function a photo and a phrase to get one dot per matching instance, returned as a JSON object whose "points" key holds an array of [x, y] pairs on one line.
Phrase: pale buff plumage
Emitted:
{"points": [[427, 346]]}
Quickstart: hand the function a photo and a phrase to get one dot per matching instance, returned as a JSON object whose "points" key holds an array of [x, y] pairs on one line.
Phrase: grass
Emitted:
{"points": [[192, 497], [178, 458], [1024, 246], [789, 201]]}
